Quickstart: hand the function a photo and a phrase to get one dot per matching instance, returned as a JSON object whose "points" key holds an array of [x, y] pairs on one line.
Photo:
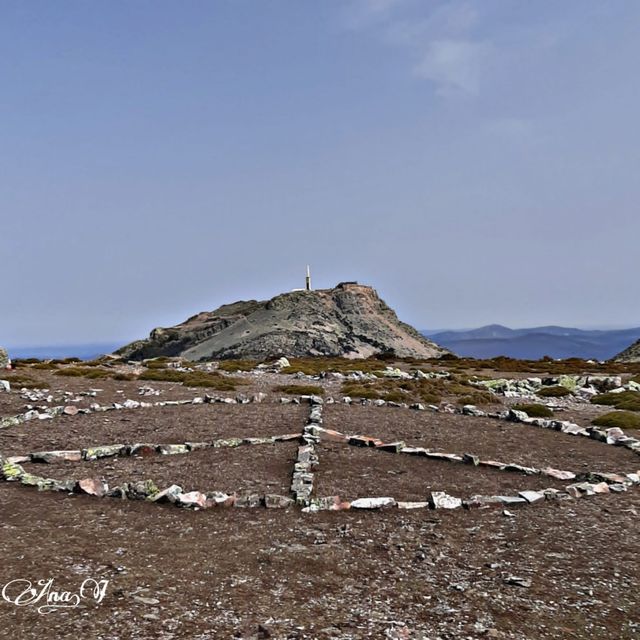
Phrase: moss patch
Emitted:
{"points": [[554, 392], [300, 389], [534, 410], [627, 400], [622, 419]]}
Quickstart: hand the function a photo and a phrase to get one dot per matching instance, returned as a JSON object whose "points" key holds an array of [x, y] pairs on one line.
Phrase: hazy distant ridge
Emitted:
{"points": [[535, 342]]}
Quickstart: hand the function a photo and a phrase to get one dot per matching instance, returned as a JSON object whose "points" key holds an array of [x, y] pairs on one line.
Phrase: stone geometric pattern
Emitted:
{"points": [[307, 462]]}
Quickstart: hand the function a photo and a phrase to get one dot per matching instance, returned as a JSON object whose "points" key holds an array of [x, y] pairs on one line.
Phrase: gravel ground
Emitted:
{"points": [[162, 425], [560, 570], [487, 438]]}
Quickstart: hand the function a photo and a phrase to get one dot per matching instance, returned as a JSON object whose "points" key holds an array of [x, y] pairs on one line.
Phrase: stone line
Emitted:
{"points": [[307, 459], [142, 490], [466, 458], [594, 485], [72, 410], [143, 449], [613, 436]]}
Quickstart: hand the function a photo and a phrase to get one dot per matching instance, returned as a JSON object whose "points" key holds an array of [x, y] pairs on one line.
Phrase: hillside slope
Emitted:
{"points": [[630, 354], [349, 321]]}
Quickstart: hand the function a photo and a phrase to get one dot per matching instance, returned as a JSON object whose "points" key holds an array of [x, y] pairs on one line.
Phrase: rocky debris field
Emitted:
{"points": [[382, 521]]}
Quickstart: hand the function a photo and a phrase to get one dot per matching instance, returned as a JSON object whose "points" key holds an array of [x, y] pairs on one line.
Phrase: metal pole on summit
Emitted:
{"points": [[308, 279]]}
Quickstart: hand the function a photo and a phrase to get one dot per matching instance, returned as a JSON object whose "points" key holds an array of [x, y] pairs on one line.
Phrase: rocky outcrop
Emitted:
{"points": [[5, 362], [630, 354], [349, 320]]}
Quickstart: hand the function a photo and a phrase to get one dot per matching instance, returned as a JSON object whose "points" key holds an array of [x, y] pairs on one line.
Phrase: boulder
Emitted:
{"points": [[442, 500], [5, 361], [92, 487], [373, 503]]}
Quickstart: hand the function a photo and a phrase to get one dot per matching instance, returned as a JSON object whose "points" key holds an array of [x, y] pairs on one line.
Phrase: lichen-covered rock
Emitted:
{"points": [[173, 449], [142, 490], [273, 501], [248, 500], [106, 451], [11, 471], [56, 456]]}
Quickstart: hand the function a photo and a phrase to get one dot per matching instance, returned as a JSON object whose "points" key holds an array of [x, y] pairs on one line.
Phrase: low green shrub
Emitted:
{"points": [[477, 397], [554, 392], [44, 365], [163, 375], [83, 372], [193, 379], [155, 364], [300, 389], [627, 400], [231, 366], [622, 419], [123, 376], [534, 410], [19, 380]]}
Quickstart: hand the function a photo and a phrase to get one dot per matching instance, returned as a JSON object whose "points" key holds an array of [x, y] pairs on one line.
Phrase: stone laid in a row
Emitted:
{"points": [[466, 458], [307, 459], [442, 500], [613, 436], [143, 490], [144, 449]]}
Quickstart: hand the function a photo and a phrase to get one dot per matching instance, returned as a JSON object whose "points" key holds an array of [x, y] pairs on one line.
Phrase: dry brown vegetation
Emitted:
{"points": [[575, 366], [534, 410], [627, 400], [193, 379], [300, 389], [622, 419], [554, 392], [426, 391]]}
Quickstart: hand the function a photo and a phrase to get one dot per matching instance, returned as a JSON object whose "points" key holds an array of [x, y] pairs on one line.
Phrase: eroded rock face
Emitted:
{"points": [[630, 354], [350, 321]]}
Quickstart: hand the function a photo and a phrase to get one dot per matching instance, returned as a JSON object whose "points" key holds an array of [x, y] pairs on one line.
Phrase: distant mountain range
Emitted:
{"points": [[82, 351], [536, 342], [485, 342]]}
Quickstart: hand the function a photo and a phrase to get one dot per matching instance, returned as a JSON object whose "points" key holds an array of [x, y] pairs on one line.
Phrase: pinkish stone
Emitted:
{"points": [[92, 487]]}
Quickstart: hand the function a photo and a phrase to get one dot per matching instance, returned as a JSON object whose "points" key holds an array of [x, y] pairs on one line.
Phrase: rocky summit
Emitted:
{"points": [[630, 354], [349, 320]]}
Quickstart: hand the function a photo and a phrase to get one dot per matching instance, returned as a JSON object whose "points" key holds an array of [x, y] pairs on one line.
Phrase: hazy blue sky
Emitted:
{"points": [[476, 162]]}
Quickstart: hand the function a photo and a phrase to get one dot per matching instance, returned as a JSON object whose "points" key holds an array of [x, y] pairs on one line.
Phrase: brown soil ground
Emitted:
{"points": [[355, 472], [485, 437], [221, 573], [160, 425], [264, 468]]}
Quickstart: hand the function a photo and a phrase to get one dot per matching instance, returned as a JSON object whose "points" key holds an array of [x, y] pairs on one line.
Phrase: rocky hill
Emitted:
{"points": [[630, 354], [350, 321]]}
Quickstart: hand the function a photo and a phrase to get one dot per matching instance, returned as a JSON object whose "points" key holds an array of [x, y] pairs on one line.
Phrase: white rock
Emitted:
{"points": [[372, 503], [442, 500]]}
